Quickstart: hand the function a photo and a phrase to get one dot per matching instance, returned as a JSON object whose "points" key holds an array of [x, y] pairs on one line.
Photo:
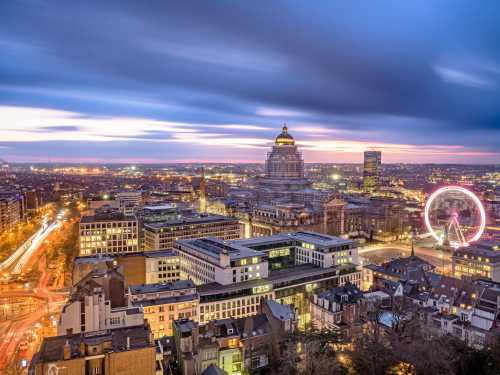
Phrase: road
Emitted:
{"points": [[384, 252], [18, 259], [14, 331]]}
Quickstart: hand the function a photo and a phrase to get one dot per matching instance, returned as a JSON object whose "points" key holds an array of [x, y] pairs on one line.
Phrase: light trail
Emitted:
{"points": [[10, 261], [35, 244]]}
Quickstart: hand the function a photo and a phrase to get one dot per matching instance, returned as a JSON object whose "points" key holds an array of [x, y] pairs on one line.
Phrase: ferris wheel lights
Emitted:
{"points": [[477, 202]]}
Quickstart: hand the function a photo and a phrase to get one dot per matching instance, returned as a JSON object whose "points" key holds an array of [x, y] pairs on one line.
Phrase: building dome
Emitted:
{"points": [[284, 138]]}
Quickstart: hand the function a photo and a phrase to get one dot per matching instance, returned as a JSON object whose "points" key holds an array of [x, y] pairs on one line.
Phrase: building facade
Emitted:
{"points": [[371, 170], [97, 302], [164, 303], [480, 259], [161, 235], [123, 351], [108, 232], [10, 213]]}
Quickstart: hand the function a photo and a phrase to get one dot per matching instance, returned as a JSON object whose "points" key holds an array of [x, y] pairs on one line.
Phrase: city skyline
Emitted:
{"points": [[170, 85]]}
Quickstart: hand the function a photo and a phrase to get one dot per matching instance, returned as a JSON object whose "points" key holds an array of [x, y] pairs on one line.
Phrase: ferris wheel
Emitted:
{"points": [[454, 216]]}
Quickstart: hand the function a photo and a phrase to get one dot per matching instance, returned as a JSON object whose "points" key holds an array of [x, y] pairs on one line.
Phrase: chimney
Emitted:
{"points": [[128, 342], [66, 351]]}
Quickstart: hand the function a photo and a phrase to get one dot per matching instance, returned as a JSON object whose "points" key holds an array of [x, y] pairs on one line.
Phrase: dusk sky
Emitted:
{"points": [[213, 81]]}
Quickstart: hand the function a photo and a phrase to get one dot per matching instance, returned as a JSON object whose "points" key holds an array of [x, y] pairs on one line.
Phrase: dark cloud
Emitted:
{"points": [[400, 72]]}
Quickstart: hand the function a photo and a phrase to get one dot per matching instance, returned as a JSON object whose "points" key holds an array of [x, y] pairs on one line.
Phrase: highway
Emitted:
{"points": [[16, 262], [35, 244], [12, 332], [11, 260]]}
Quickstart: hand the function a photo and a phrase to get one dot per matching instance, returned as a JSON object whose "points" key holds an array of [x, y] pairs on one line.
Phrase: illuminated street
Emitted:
{"points": [[383, 253], [41, 295]]}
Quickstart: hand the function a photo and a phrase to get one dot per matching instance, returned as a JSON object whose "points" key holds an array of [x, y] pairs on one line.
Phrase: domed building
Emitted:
{"points": [[284, 179], [283, 200]]}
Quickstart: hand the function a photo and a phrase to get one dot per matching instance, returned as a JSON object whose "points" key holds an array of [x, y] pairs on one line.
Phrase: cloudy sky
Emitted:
{"points": [[155, 81]]}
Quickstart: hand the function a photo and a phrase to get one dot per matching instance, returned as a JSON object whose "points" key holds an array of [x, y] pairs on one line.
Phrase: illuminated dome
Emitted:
{"points": [[284, 138]]}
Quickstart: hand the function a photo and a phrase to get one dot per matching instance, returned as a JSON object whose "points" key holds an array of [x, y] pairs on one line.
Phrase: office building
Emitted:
{"points": [[161, 235], [371, 170], [164, 303], [108, 232], [122, 351], [237, 275], [480, 259], [304, 248], [206, 260]]}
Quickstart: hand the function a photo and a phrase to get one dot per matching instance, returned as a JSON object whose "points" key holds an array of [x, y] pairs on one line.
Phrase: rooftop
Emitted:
{"points": [[317, 239], [335, 294], [159, 254], [279, 310], [52, 348], [161, 287], [106, 215], [489, 249], [165, 300], [190, 220], [214, 247], [185, 325]]}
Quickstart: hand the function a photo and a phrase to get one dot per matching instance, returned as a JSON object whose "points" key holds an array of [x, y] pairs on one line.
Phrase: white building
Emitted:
{"points": [[207, 260], [94, 313], [306, 248], [97, 302]]}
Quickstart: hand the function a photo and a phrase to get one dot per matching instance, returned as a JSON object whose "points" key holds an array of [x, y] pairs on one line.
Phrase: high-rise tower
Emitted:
{"points": [[371, 170], [203, 192]]}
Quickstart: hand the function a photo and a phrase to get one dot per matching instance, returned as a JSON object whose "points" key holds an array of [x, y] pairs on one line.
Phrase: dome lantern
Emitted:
{"points": [[284, 138]]}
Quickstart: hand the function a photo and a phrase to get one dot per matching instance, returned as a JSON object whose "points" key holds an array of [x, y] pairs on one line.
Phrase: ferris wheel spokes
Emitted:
{"points": [[453, 225]]}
